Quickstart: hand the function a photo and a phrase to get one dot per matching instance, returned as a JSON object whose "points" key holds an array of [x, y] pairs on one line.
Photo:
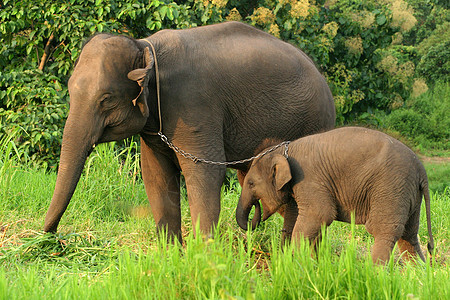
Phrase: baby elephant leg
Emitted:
{"points": [[382, 248], [409, 244], [387, 225], [306, 229], [290, 213], [386, 235], [311, 217]]}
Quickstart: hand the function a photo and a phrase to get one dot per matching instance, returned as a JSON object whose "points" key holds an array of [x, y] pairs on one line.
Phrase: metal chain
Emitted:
{"points": [[196, 159]]}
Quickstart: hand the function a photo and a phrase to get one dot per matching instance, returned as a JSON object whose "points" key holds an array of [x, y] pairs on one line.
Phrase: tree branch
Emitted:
{"points": [[46, 55]]}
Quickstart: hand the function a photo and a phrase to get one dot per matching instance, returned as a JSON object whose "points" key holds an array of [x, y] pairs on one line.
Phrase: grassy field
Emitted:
{"points": [[107, 247]]}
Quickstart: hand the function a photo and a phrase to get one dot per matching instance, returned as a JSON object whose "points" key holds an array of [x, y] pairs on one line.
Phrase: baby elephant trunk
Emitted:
{"points": [[243, 212]]}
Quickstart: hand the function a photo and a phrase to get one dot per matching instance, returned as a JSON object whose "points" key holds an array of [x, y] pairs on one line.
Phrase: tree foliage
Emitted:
{"points": [[372, 53], [424, 119]]}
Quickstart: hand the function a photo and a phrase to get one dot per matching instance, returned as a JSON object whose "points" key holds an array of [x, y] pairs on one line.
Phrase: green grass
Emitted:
{"points": [[107, 246], [438, 175]]}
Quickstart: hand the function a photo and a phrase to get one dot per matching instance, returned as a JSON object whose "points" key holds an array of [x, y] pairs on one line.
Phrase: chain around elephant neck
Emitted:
{"points": [[188, 155]]}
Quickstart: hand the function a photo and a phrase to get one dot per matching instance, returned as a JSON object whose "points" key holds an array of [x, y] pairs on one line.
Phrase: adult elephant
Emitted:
{"points": [[223, 89]]}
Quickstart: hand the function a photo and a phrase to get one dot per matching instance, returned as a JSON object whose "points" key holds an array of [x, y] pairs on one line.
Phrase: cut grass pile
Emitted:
{"points": [[107, 246]]}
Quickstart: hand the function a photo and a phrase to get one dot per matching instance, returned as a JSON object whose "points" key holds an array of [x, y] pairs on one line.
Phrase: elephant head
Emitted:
{"points": [[267, 180], [108, 102]]}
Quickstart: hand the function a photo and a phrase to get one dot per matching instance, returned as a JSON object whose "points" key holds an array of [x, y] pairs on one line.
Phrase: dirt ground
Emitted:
{"points": [[434, 159]]}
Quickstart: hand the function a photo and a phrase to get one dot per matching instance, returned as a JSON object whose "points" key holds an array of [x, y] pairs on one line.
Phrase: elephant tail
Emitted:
{"points": [[426, 194]]}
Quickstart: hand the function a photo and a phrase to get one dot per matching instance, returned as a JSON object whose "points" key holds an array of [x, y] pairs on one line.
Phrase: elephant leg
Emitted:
{"points": [[203, 184], [162, 184], [306, 228], [382, 249], [290, 214], [385, 235], [312, 214], [386, 225], [409, 244]]}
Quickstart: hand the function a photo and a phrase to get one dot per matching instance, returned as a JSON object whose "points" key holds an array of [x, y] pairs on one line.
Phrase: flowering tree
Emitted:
{"points": [[366, 49], [357, 44]]}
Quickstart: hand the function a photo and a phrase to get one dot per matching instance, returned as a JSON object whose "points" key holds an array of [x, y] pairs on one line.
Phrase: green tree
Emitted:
{"points": [[39, 42], [367, 50]]}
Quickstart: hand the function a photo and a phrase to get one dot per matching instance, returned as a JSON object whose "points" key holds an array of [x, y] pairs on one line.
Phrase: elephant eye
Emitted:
{"points": [[105, 97], [251, 184]]}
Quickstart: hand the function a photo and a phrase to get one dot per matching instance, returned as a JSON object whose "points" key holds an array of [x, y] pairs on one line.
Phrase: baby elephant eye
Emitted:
{"points": [[105, 97], [251, 184]]}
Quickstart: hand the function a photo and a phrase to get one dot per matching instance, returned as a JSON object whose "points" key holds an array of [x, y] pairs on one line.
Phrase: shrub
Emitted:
{"points": [[425, 119], [38, 46], [435, 64], [356, 44], [34, 106]]}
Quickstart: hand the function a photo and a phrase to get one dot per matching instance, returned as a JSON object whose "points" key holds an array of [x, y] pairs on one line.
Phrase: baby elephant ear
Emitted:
{"points": [[281, 171], [142, 76]]}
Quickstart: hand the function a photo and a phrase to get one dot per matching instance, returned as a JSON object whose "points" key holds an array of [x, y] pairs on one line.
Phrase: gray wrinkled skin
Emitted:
{"points": [[328, 176], [224, 88]]}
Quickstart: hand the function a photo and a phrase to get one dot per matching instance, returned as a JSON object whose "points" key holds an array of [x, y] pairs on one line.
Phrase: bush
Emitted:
{"points": [[435, 64], [425, 120], [357, 45], [38, 46], [34, 107]]}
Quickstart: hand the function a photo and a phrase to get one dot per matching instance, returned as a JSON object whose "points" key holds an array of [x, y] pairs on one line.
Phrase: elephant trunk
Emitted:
{"points": [[76, 146], [243, 211]]}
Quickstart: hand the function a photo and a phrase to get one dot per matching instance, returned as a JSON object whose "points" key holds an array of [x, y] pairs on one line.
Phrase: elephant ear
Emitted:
{"points": [[281, 172], [142, 76]]}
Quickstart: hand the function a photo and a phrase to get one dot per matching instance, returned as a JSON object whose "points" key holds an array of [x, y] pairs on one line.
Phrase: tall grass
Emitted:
{"points": [[9, 155], [223, 268], [107, 247]]}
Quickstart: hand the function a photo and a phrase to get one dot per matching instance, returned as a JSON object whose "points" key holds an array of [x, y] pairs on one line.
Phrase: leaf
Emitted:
{"points": [[381, 19], [155, 3], [163, 12], [37, 137], [29, 48], [150, 24], [170, 14], [58, 86]]}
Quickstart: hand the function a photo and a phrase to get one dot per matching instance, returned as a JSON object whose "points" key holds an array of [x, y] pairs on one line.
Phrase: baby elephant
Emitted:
{"points": [[325, 177]]}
